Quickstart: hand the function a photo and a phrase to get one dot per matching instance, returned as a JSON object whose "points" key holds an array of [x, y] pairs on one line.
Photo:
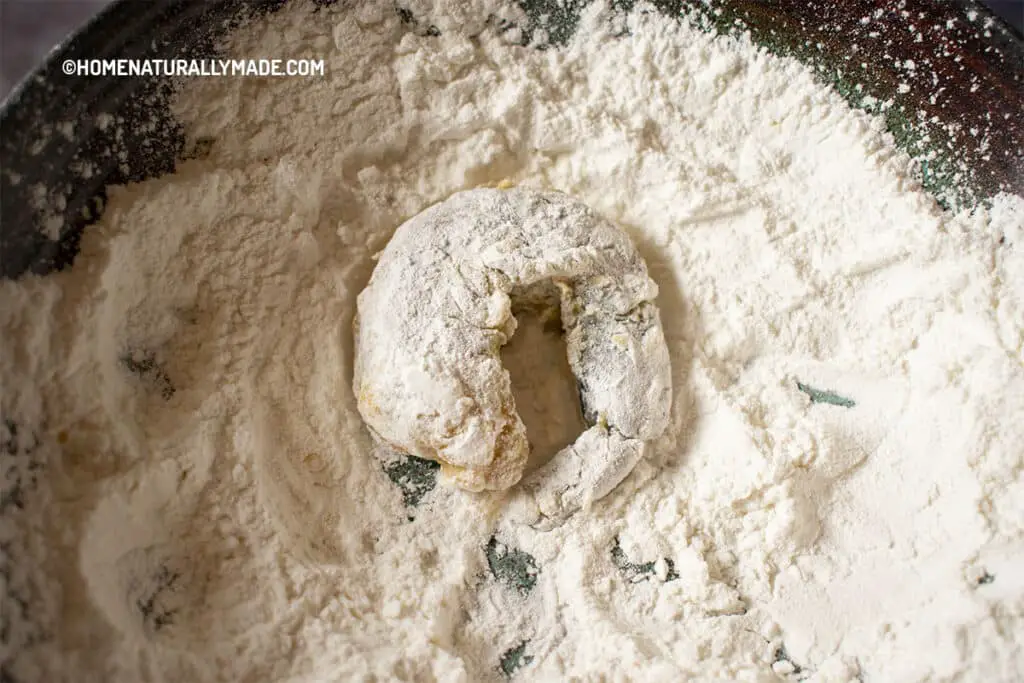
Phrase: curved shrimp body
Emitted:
{"points": [[436, 312]]}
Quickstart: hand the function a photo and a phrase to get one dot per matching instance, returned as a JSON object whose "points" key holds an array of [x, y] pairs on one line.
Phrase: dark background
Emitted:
{"points": [[1010, 10], [30, 28]]}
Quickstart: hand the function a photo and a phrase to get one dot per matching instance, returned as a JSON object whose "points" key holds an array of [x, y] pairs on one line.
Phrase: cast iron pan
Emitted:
{"points": [[968, 77]]}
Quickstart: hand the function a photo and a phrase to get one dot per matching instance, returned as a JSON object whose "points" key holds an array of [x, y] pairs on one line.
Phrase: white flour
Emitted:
{"points": [[189, 493]]}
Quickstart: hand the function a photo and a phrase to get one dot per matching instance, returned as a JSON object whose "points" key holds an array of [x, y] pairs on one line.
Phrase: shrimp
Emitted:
{"points": [[430, 325]]}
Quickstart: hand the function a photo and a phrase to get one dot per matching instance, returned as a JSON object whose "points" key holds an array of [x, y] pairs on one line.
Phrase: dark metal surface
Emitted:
{"points": [[1010, 11], [967, 76], [976, 94], [34, 154]]}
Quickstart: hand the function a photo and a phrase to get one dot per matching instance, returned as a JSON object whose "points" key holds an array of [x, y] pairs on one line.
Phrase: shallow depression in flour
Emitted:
{"points": [[838, 495]]}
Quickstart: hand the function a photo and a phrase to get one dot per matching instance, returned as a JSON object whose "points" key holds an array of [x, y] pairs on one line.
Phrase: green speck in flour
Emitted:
{"points": [[825, 396]]}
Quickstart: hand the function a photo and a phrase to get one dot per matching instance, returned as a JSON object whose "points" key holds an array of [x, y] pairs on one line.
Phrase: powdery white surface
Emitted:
{"points": [[430, 324], [189, 492]]}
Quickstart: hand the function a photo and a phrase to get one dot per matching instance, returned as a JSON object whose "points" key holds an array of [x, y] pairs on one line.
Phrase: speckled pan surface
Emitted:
{"points": [[947, 77]]}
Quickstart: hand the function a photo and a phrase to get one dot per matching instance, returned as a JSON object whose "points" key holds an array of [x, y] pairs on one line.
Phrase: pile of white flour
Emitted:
{"points": [[189, 493]]}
